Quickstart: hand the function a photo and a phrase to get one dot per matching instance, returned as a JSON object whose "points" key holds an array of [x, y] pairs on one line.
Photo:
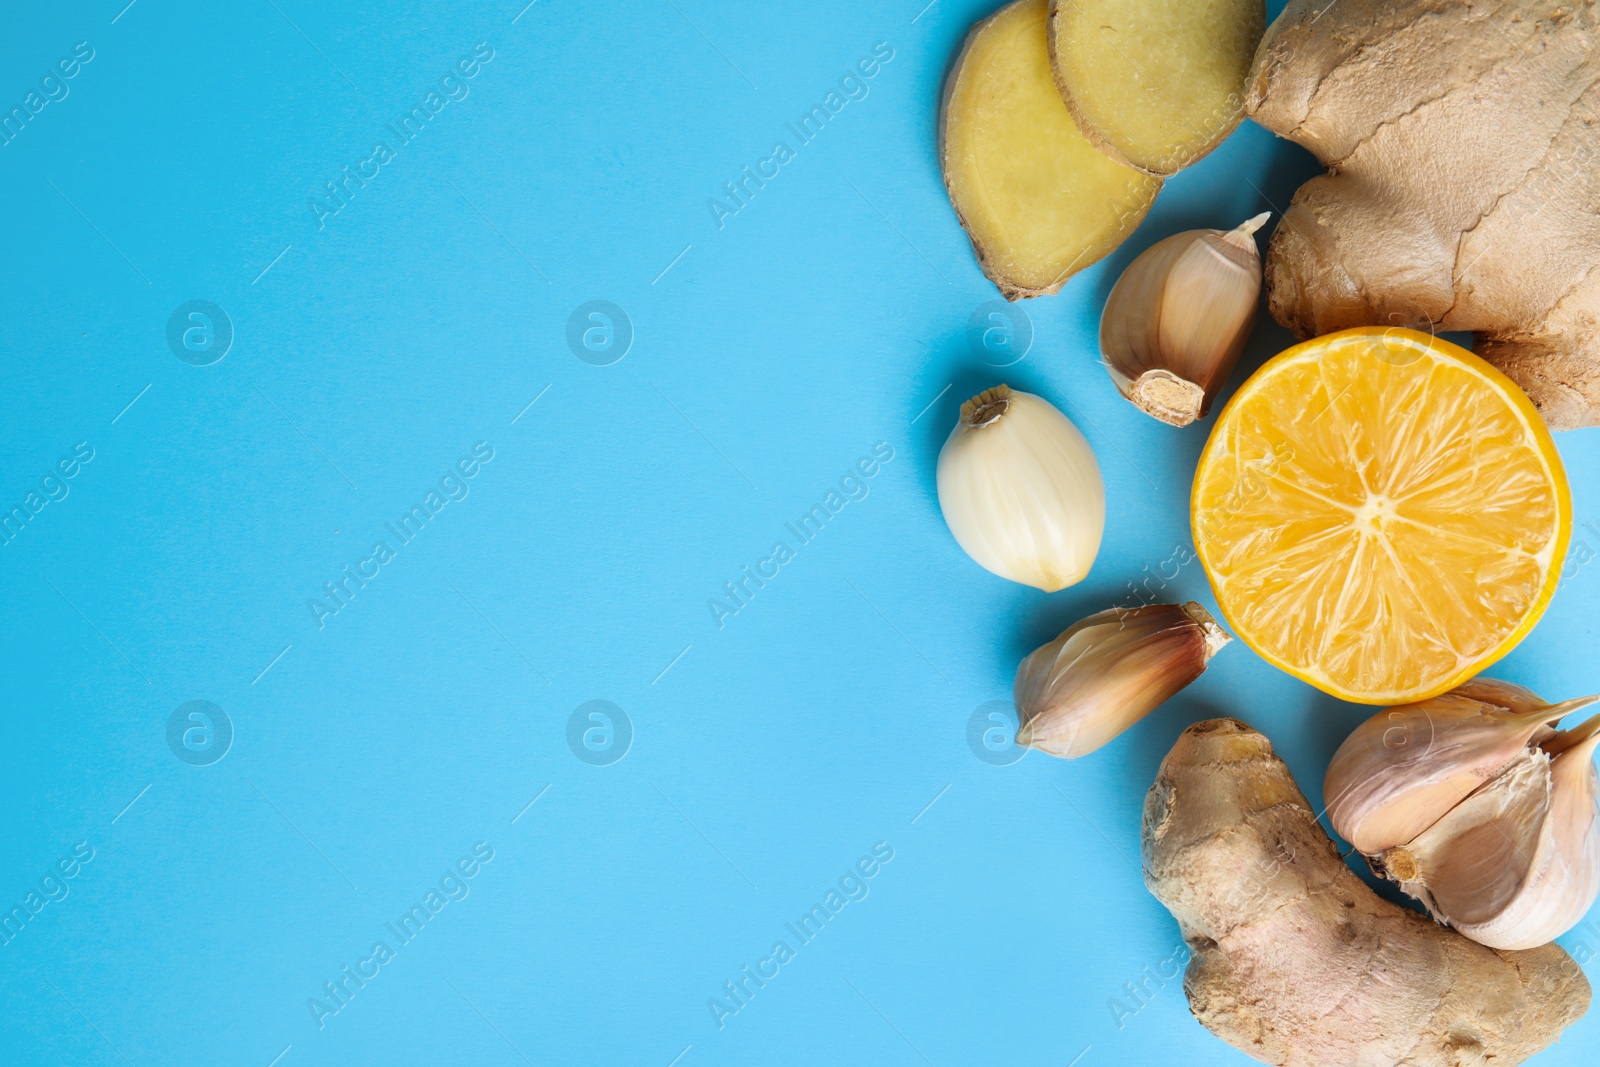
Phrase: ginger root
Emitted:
{"points": [[1295, 961], [1463, 190]]}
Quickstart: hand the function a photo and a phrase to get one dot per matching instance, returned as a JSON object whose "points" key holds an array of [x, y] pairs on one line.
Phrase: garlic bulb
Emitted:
{"points": [[1021, 491], [1109, 671], [1402, 769], [1179, 316], [1489, 817], [1517, 864]]}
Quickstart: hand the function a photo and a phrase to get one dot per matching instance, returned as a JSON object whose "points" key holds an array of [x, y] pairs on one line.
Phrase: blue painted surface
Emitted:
{"points": [[422, 737]]}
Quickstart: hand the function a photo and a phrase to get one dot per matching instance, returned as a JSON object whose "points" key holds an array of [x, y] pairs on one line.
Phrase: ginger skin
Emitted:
{"points": [[1463, 193], [1296, 962]]}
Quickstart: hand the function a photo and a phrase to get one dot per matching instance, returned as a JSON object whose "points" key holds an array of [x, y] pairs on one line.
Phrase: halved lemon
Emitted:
{"points": [[1381, 514]]}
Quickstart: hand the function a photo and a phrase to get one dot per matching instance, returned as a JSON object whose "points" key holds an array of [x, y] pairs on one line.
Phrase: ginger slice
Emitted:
{"points": [[1157, 83], [1038, 200]]}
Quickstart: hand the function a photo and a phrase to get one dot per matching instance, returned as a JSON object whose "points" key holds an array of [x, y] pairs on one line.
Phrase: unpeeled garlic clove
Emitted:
{"points": [[1575, 829], [1469, 866], [1020, 489], [1179, 316], [1107, 672], [1517, 864], [1400, 771]]}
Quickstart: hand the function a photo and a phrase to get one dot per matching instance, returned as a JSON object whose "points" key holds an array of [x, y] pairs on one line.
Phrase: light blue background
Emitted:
{"points": [[770, 353]]}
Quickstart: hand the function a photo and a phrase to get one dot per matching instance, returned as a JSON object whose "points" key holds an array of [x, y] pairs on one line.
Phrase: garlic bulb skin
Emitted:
{"points": [[1107, 672], [1178, 318], [1020, 489], [1400, 771]]}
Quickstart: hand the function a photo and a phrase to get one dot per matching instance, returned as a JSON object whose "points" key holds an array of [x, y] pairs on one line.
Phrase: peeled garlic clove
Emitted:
{"points": [[1400, 771], [1021, 491], [1109, 671], [1179, 316], [1517, 864]]}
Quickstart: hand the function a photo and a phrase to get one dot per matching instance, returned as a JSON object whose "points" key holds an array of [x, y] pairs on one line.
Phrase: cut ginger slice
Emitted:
{"points": [[1381, 513], [1155, 83], [1037, 199]]}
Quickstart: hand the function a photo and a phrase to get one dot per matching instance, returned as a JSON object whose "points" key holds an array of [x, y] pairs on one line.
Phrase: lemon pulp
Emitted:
{"points": [[1381, 514]]}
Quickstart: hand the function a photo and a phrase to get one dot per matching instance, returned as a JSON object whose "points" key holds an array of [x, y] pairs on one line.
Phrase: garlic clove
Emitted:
{"points": [[1468, 867], [1571, 885], [1107, 672], [1400, 771], [1517, 864], [1523, 702], [1020, 490], [1566, 885], [1178, 318]]}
